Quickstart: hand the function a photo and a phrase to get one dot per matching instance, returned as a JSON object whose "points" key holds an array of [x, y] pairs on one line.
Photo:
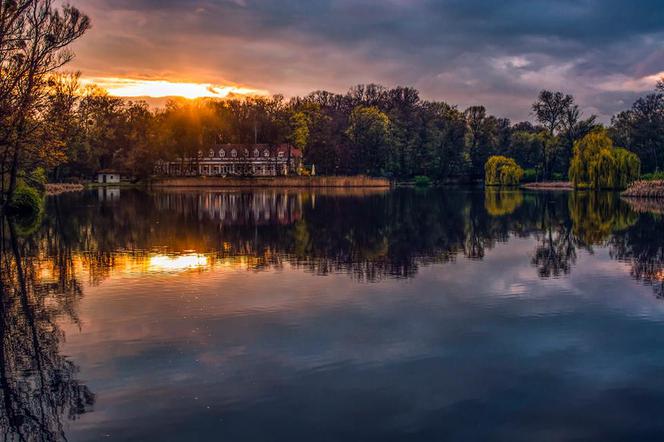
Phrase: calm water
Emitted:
{"points": [[363, 315]]}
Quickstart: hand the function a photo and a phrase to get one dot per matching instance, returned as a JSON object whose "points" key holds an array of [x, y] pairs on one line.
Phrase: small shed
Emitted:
{"points": [[108, 176]]}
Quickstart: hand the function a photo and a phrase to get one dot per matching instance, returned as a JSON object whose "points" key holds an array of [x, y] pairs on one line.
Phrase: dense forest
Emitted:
{"points": [[55, 129], [369, 130]]}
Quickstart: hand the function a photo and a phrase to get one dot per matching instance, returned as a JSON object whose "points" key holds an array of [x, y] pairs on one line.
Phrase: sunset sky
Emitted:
{"points": [[496, 53]]}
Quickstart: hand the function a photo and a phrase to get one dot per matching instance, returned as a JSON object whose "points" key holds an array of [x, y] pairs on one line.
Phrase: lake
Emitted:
{"points": [[285, 315]]}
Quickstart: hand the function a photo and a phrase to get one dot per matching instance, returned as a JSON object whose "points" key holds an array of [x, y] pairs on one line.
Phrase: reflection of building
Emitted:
{"points": [[108, 193], [235, 208], [237, 160]]}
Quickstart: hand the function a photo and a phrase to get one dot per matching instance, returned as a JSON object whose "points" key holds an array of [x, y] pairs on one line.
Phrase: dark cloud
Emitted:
{"points": [[463, 51]]}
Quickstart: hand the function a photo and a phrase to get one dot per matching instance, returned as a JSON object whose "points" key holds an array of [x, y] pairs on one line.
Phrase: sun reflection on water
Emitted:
{"points": [[166, 263]]}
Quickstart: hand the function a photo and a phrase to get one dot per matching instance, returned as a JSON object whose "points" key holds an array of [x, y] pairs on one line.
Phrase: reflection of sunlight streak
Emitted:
{"points": [[659, 276], [165, 263]]}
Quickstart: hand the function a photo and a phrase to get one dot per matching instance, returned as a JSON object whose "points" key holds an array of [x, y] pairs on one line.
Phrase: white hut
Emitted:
{"points": [[108, 176]]}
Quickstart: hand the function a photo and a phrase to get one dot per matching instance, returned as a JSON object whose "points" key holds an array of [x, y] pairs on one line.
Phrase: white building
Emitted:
{"points": [[108, 176]]}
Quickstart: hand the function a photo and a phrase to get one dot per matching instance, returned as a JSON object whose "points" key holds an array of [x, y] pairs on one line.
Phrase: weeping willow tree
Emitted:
{"points": [[597, 164], [502, 171]]}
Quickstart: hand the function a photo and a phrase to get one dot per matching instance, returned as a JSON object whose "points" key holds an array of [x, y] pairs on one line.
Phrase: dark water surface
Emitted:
{"points": [[333, 315]]}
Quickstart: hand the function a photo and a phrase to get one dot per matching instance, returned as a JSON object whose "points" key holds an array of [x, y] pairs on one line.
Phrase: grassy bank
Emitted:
{"points": [[294, 181]]}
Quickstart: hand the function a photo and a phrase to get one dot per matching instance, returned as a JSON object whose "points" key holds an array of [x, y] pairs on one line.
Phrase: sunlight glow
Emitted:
{"points": [[127, 87], [165, 263]]}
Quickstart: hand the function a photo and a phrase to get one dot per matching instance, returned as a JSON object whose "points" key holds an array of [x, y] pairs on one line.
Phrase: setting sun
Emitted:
{"points": [[127, 87]]}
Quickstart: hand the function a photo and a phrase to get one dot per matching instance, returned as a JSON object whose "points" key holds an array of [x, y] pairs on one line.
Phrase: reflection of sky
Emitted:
{"points": [[470, 350]]}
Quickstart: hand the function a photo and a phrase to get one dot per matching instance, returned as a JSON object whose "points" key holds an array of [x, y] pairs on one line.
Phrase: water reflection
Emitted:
{"points": [[90, 240], [368, 235], [38, 385]]}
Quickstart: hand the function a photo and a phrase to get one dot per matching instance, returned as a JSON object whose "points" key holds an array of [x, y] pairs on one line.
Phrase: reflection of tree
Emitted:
{"points": [[501, 202], [37, 385], [597, 215], [589, 219], [370, 236], [555, 253], [642, 245]]}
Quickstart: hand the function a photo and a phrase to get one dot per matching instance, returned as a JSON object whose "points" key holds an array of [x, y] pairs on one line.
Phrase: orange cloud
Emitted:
{"points": [[129, 87]]}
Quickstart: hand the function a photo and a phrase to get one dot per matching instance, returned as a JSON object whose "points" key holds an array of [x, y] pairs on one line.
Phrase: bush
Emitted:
{"points": [[597, 164], [529, 176], [557, 176], [654, 176], [502, 171], [422, 181], [26, 202]]}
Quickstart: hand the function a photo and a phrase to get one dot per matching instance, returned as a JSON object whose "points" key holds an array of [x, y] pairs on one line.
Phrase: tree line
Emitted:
{"points": [[369, 130], [53, 126]]}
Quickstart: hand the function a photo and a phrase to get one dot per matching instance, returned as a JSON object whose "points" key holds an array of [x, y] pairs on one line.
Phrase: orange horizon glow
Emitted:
{"points": [[129, 87]]}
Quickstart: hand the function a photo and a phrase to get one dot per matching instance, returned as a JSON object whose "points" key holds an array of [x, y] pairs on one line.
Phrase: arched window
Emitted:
{"points": [[200, 153], [256, 153], [246, 152], [222, 153], [211, 153], [234, 153], [266, 153]]}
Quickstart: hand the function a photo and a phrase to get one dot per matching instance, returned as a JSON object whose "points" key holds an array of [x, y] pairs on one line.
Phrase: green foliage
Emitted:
{"points": [[369, 131], [529, 175], [299, 136], [422, 181], [502, 171], [654, 176], [37, 179], [628, 167], [597, 164], [26, 202]]}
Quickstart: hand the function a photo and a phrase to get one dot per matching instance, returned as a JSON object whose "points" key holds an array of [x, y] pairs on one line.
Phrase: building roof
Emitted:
{"points": [[239, 148]]}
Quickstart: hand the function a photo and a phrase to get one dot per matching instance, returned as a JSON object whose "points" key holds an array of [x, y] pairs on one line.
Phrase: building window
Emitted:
{"points": [[266, 153], [234, 153], [281, 154], [200, 153], [222, 153], [246, 152], [256, 153], [211, 153]]}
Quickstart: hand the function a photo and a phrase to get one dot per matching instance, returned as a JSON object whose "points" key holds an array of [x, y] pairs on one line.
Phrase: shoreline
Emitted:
{"points": [[551, 185], [257, 182]]}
